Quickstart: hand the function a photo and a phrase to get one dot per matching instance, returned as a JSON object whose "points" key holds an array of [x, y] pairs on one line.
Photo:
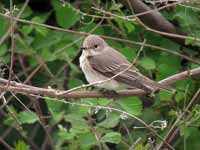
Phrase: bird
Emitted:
{"points": [[100, 62]]}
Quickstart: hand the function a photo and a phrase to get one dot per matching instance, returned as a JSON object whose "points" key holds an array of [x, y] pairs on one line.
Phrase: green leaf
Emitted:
{"points": [[23, 46], [4, 24], [166, 66], [116, 6], [132, 105], [42, 30], [43, 41], [63, 133], [112, 137], [147, 63], [21, 145], [129, 26], [3, 49], [77, 121], [124, 24], [55, 108], [66, 15], [74, 82], [141, 147], [92, 26], [95, 101], [129, 52], [26, 13], [27, 117], [165, 96], [24, 117], [111, 121], [87, 139], [27, 29], [39, 19]]}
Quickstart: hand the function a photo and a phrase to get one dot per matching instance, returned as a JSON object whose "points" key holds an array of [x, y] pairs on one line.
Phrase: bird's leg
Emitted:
{"points": [[109, 93], [153, 93]]}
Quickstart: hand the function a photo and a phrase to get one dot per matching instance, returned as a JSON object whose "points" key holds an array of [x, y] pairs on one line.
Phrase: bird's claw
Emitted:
{"points": [[153, 93]]}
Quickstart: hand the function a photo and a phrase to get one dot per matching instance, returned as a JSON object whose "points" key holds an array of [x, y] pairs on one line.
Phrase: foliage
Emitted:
{"points": [[84, 124]]}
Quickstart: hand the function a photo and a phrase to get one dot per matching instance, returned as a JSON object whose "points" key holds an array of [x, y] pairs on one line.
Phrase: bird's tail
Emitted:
{"points": [[155, 86]]}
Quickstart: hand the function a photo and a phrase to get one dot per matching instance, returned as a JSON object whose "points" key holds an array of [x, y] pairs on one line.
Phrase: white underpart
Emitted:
{"points": [[92, 76]]}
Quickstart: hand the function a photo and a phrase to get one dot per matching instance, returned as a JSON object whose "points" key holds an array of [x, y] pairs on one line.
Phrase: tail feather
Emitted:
{"points": [[155, 86]]}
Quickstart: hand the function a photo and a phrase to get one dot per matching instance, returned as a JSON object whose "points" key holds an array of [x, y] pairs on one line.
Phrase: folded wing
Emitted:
{"points": [[112, 62]]}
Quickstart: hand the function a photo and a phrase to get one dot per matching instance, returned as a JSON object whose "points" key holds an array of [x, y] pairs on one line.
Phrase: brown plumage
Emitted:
{"points": [[99, 61]]}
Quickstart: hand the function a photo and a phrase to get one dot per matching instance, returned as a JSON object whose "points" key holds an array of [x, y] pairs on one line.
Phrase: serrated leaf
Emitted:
{"points": [[112, 137]]}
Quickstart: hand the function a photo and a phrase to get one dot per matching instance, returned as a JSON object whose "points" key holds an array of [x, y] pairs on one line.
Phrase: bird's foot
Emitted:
{"points": [[109, 93], [153, 93]]}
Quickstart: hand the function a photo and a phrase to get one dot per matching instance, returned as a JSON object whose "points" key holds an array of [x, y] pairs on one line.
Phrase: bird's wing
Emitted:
{"points": [[111, 63]]}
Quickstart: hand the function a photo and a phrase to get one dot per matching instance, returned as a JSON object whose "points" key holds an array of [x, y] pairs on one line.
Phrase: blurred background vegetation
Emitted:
{"points": [[48, 58]]}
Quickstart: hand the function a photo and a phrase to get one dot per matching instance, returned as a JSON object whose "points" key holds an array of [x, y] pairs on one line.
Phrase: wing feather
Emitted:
{"points": [[111, 62]]}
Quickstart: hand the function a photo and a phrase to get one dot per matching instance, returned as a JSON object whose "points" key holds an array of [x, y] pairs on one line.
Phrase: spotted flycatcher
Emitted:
{"points": [[100, 62]]}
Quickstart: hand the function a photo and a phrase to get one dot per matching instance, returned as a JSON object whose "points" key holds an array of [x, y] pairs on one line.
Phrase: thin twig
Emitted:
{"points": [[111, 109], [40, 119], [27, 89], [3, 142], [154, 47], [14, 22], [145, 26], [12, 43], [173, 133]]}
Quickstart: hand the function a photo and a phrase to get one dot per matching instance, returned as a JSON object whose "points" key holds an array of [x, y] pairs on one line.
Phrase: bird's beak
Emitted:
{"points": [[83, 48]]}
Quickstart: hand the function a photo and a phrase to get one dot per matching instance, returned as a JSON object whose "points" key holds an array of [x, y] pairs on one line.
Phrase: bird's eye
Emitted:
{"points": [[95, 46]]}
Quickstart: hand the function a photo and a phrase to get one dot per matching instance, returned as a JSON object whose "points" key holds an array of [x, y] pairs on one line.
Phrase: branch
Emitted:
{"points": [[26, 89], [174, 132], [155, 21], [105, 37]]}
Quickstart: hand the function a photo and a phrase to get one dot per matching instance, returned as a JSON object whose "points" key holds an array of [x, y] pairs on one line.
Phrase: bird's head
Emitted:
{"points": [[93, 44]]}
